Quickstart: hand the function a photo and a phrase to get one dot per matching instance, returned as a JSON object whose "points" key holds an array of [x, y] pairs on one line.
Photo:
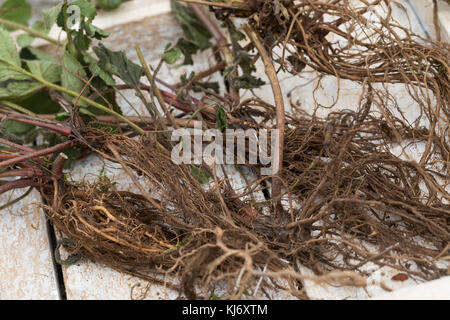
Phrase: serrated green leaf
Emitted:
{"points": [[44, 69], [116, 63], [50, 16], [16, 10], [43, 26], [13, 84], [72, 71], [8, 49]]}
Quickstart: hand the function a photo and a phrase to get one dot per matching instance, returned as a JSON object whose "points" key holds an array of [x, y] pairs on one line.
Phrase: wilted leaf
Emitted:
{"points": [[188, 48], [193, 28], [213, 85], [247, 81], [117, 63], [95, 69], [95, 32]]}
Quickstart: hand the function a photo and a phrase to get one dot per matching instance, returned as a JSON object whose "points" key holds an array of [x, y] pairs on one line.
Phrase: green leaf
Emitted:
{"points": [[247, 81], [61, 116], [110, 4], [47, 70], [188, 49], [24, 40], [95, 69], [41, 55], [87, 112], [8, 49], [72, 71], [87, 9], [81, 41], [193, 28], [117, 63], [43, 26], [213, 85], [17, 11], [200, 174], [15, 127], [40, 103], [95, 32], [221, 119], [14, 88], [13, 84], [50, 16], [172, 55]]}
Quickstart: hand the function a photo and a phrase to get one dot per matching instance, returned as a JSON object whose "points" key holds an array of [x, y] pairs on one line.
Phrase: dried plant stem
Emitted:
{"points": [[279, 104], [203, 74], [221, 41], [235, 5], [156, 90]]}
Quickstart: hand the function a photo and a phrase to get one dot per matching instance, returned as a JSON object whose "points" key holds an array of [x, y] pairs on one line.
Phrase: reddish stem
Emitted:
{"points": [[29, 173], [7, 156], [36, 154], [58, 165], [15, 145], [17, 184], [64, 130]]}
